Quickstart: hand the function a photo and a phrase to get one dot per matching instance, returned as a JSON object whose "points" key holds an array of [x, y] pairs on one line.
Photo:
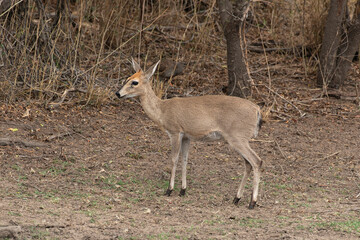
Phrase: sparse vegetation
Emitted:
{"points": [[102, 171], [79, 51], [343, 226]]}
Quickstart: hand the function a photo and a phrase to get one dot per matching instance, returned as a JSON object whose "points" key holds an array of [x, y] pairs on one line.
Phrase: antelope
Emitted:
{"points": [[211, 117]]}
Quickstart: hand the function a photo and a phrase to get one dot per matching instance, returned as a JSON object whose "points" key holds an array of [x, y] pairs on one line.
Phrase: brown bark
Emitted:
{"points": [[331, 42], [347, 50], [230, 16]]}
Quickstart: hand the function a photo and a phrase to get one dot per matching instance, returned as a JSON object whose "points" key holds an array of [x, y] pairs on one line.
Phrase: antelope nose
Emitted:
{"points": [[118, 94]]}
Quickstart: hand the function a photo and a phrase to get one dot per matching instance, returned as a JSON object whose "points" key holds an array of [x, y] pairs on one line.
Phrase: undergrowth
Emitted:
{"points": [[79, 50]]}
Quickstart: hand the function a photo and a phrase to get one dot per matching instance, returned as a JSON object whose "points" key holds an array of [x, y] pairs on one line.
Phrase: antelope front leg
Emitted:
{"points": [[175, 140], [184, 153]]}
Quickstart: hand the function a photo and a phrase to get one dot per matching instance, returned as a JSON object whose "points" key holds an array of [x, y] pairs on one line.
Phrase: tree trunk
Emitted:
{"points": [[347, 50], [331, 42], [230, 17], [340, 43]]}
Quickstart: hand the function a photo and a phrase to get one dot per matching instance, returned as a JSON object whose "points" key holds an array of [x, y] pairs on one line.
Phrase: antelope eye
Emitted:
{"points": [[134, 83]]}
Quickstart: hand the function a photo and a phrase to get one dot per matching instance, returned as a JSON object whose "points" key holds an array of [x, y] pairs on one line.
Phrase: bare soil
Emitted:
{"points": [[105, 174]]}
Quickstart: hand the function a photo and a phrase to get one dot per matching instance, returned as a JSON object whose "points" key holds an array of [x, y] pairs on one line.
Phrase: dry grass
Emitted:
{"points": [[89, 47]]}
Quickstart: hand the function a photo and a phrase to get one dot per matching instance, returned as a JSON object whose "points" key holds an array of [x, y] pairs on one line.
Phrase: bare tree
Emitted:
{"points": [[231, 17], [340, 42]]}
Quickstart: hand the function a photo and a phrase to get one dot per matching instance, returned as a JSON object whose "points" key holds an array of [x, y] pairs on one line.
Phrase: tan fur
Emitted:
{"points": [[200, 118], [135, 75]]}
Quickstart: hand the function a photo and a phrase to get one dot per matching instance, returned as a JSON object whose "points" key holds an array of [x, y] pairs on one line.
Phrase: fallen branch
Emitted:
{"points": [[263, 141], [63, 96], [297, 50], [322, 159], [282, 153], [344, 96], [53, 226], [281, 113], [262, 50], [60, 135], [293, 105], [9, 141]]}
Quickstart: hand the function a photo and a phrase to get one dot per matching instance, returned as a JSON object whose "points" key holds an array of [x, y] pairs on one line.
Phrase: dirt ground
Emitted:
{"points": [[103, 172]]}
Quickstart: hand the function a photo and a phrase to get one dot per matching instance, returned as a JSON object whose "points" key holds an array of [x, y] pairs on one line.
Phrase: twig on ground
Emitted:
{"points": [[275, 49], [282, 153], [31, 186], [53, 226], [322, 159], [60, 135], [281, 113], [343, 95], [356, 175], [293, 105], [9, 141], [259, 140], [63, 96]]}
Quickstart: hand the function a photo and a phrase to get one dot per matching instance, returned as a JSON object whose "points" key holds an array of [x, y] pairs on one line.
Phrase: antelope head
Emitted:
{"points": [[136, 84]]}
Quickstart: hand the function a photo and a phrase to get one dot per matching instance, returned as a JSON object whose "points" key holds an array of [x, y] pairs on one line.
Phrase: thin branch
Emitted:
{"points": [[302, 114], [10, 141], [60, 135], [123, 44], [322, 159], [66, 92], [5, 12]]}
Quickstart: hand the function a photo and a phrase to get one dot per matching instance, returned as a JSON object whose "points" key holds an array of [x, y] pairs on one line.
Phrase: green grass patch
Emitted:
{"points": [[250, 222], [160, 236], [16, 167], [91, 215], [213, 222], [11, 213], [349, 226], [38, 234], [133, 155], [57, 169]]}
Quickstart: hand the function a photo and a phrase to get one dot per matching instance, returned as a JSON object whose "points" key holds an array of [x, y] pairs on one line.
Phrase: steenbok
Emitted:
{"points": [[212, 117]]}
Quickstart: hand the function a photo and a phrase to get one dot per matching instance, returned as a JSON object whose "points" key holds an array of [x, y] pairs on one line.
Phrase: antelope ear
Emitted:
{"points": [[150, 72], [135, 65]]}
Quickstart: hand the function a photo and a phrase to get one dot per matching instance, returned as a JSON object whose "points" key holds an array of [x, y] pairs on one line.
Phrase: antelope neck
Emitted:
{"points": [[151, 104]]}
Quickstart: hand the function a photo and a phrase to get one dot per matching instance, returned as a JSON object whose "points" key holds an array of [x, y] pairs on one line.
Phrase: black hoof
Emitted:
{"points": [[252, 205], [182, 192], [168, 192], [236, 200]]}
